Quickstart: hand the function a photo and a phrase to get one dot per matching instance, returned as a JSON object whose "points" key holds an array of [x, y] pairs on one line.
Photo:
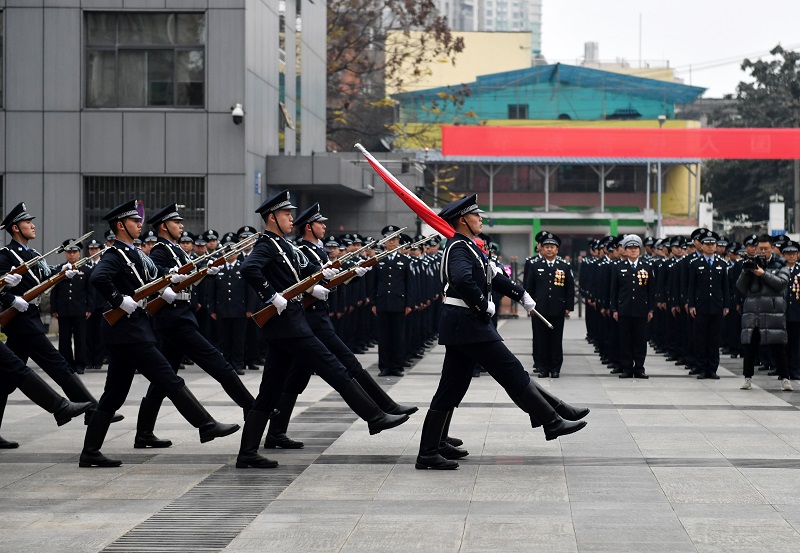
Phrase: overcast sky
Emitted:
{"points": [[710, 36]]}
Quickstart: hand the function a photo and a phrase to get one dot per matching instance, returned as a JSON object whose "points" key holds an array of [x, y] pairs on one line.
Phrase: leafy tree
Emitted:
{"points": [[362, 64], [770, 99]]}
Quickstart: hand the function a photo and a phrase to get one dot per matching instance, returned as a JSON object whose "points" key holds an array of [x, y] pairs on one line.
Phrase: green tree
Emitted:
{"points": [[361, 67], [770, 99]]}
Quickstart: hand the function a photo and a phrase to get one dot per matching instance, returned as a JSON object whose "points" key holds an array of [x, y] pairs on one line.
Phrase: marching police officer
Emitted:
{"points": [[791, 251], [708, 298], [273, 267], [95, 349], [466, 331], [132, 343], [550, 283]]}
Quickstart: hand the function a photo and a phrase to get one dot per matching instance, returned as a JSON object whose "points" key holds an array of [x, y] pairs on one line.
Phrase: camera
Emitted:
{"points": [[238, 114], [752, 261]]}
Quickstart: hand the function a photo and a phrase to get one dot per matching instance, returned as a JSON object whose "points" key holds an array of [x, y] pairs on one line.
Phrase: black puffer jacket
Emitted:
{"points": [[764, 307]]}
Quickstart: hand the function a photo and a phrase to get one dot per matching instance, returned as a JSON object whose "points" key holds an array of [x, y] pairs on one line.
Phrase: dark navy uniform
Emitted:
{"points": [[793, 313], [227, 303], [95, 348], [71, 300], [708, 298], [551, 286], [632, 299]]}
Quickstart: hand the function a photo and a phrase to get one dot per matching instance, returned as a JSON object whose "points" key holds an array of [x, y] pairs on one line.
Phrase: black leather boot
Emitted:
{"points": [[564, 410], [95, 435], [363, 406], [48, 399], [236, 390], [5, 444], [448, 444], [146, 423], [381, 398], [248, 457], [429, 443], [279, 423], [192, 411], [536, 405]]}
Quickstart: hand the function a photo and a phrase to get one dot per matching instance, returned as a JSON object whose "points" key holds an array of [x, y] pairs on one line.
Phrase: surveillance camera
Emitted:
{"points": [[238, 114]]}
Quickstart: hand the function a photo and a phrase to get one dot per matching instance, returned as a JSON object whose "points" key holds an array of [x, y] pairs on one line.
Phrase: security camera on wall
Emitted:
{"points": [[238, 114]]}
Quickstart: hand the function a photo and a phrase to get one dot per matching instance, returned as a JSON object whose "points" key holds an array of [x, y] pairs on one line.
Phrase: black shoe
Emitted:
{"points": [[694, 371], [430, 442], [383, 372], [616, 371], [238, 370], [476, 373], [97, 459], [640, 376], [451, 452], [93, 441], [115, 418], [5, 444], [625, 374], [248, 457], [396, 372], [181, 367], [453, 441], [148, 439], [543, 374], [365, 407], [612, 366], [555, 374], [734, 355], [191, 409], [79, 369], [273, 441], [252, 367], [709, 375]]}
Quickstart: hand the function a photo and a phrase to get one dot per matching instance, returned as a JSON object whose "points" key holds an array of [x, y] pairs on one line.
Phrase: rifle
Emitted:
{"points": [[345, 276], [41, 288], [113, 316], [22, 269], [155, 305]]}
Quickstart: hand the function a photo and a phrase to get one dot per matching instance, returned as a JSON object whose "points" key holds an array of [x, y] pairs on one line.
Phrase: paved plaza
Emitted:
{"points": [[666, 464]]}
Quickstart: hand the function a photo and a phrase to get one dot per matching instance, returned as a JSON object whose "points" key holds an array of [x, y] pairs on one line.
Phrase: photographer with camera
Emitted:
{"points": [[762, 283]]}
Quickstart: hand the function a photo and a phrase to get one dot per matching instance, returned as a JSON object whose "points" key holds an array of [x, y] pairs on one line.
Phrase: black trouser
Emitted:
{"points": [[735, 331], [307, 352], [39, 348], [95, 347], [793, 348], [391, 340], [232, 339], [613, 341], [632, 343], [707, 332], [547, 344], [70, 328], [494, 357], [182, 340], [12, 372], [252, 346], [124, 361], [750, 351], [691, 354]]}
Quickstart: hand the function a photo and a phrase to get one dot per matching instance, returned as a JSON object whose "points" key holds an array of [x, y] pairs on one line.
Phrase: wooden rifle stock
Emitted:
{"points": [[32, 294], [154, 306], [261, 317], [342, 278], [113, 316]]}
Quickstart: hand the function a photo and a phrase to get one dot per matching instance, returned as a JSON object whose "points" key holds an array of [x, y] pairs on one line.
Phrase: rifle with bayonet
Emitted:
{"points": [[22, 269], [113, 316], [345, 276], [261, 317], [154, 306], [42, 287]]}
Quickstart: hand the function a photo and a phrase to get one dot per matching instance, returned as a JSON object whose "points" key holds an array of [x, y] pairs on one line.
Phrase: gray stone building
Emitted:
{"points": [[104, 100]]}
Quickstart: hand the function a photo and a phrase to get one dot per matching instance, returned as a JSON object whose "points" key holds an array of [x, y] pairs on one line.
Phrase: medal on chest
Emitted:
{"points": [[559, 277], [642, 277]]}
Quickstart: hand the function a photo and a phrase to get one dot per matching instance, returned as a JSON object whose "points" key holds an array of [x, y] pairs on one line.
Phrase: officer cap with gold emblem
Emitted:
{"points": [[186, 236], [228, 238], [331, 242], [310, 215], [279, 201], [168, 213], [631, 241], [389, 230], [789, 246], [696, 233], [16, 215], [246, 231], [151, 236], [94, 245], [211, 235], [200, 240], [461, 207], [127, 210], [751, 240], [548, 238], [73, 248], [707, 236]]}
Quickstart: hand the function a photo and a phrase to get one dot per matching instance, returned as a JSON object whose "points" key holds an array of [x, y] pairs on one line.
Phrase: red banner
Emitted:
{"points": [[555, 142]]}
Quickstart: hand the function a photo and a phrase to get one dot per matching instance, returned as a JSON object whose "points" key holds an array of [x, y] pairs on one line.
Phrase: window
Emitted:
{"points": [[101, 194], [517, 111], [145, 60]]}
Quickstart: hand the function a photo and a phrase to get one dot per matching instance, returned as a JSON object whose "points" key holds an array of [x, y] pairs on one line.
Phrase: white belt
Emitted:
{"points": [[37, 301], [183, 296], [456, 301]]}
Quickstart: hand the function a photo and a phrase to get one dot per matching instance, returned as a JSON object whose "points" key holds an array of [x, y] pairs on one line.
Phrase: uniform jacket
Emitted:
{"points": [[120, 271], [764, 306], [467, 277], [708, 285], [73, 297], [227, 292], [167, 255], [551, 286], [316, 313], [633, 291], [394, 284], [793, 295], [29, 322], [273, 266]]}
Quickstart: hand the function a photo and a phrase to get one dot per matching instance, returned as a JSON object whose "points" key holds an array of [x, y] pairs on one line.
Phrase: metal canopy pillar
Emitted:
{"points": [[546, 172], [491, 173], [602, 173]]}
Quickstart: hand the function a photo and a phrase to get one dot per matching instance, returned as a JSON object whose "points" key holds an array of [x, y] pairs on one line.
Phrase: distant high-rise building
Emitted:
{"points": [[496, 15]]}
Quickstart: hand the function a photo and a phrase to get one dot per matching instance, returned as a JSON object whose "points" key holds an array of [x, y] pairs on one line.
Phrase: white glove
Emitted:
{"points": [[528, 303], [19, 304], [280, 303], [13, 280], [495, 269], [176, 278], [320, 292], [490, 309], [128, 305], [361, 271], [169, 295], [212, 271], [329, 273], [69, 271]]}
